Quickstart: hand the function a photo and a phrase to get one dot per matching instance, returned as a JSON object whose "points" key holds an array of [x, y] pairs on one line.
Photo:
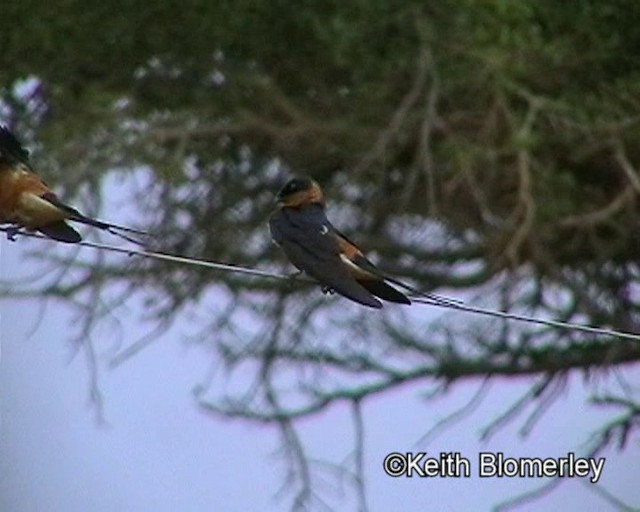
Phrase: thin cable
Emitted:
{"points": [[172, 258], [420, 300], [523, 318]]}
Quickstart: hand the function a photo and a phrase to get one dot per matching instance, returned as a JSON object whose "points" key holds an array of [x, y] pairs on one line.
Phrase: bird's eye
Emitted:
{"points": [[293, 187]]}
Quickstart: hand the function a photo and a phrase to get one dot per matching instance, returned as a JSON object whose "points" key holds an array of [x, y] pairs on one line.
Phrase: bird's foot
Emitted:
{"points": [[327, 290], [11, 232]]}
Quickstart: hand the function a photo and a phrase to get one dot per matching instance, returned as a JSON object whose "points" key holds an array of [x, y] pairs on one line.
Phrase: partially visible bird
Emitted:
{"points": [[313, 245], [27, 202]]}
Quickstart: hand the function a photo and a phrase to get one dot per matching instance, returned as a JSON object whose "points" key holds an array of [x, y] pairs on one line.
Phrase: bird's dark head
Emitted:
{"points": [[300, 191], [11, 150]]}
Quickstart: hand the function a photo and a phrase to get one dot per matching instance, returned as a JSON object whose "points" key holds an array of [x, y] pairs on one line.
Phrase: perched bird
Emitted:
{"points": [[27, 202], [301, 228]]}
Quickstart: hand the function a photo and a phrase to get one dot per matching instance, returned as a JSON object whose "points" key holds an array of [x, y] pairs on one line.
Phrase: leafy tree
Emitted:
{"points": [[488, 147]]}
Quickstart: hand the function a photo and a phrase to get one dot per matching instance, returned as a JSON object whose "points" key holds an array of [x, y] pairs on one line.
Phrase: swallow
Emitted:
{"points": [[313, 245], [27, 202]]}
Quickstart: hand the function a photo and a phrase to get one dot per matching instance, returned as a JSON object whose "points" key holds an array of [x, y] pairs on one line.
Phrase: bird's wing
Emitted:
{"points": [[306, 236], [365, 272], [75, 215], [370, 276], [62, 232]]}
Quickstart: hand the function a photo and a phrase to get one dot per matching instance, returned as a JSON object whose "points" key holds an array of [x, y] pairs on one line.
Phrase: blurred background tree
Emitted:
{"points": [[487, 149]]}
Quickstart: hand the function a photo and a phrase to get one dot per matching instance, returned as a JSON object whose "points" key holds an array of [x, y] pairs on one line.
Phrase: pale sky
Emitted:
{"points": [[160, 453]]}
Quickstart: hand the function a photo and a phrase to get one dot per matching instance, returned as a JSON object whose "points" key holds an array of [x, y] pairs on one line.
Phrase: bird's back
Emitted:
{"points": [[308, 240]]}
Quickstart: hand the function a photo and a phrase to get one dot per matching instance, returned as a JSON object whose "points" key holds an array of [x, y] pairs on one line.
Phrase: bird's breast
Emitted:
{"points": [[20, 200]]}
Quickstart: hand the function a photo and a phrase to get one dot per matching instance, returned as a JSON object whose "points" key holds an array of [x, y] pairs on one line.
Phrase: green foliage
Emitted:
{"points": [[477, 104], [462, 98]]}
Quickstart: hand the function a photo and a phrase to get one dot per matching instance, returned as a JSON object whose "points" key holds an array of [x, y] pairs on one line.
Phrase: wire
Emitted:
{"points": [[172, 258], [523, 318], [448, 304]]}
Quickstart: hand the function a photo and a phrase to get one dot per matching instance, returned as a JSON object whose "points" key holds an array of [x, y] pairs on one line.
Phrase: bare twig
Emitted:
{"points": [[387, 136], [360, 483], [602, 215], [526, 204], [516, 407], [612, 500], [527, 497], [627, 167], [458, 415]]}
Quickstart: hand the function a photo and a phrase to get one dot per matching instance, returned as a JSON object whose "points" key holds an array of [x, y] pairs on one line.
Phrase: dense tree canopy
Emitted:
{"points": [[469, 145]]}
